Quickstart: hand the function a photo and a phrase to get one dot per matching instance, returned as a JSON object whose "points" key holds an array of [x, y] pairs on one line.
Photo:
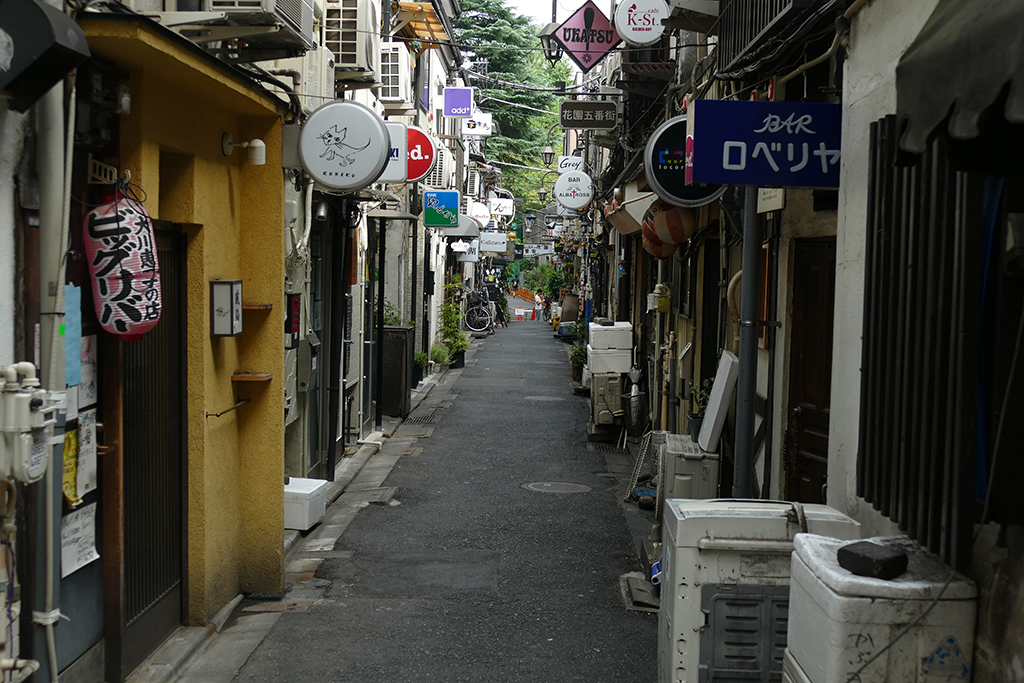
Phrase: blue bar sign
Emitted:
{"points": [[770, 144]]}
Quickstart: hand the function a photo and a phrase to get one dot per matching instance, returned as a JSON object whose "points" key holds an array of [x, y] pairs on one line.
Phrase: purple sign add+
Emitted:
{"points": [[458, 102], [770, 144], [587, 36]]}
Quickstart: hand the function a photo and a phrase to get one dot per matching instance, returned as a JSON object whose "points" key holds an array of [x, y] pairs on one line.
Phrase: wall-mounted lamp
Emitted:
{"points": [[257, 149], [552, 48], [548, 154], [225, 308], [542, 193]]}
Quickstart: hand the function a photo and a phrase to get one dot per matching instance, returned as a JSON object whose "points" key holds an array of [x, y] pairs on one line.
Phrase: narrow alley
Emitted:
{"points": [[466, 574]]}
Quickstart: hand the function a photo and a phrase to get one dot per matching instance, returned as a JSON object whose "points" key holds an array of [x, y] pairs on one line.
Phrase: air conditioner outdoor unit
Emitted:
{"points": [[294, 16], [473, 183], [395, 74], [725, 585], [443, 175], [352, 33], [316, 71]]}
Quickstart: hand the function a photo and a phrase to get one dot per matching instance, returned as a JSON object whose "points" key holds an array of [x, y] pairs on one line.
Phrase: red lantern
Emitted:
{"points": [[121, 248], [670, 224], [659, 250]]}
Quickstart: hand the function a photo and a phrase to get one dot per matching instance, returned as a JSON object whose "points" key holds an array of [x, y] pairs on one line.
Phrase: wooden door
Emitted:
{"points": [[810, 374]]}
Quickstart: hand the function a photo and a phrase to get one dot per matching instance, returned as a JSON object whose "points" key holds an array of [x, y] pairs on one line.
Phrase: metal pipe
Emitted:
{"points": [[337, 335], [382, 239], [743, 479]]}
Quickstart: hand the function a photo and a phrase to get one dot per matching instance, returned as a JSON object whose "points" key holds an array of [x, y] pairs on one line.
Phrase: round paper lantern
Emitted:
{"points": [[647, 229], [123, 266], [672, 224], [658, 250]]}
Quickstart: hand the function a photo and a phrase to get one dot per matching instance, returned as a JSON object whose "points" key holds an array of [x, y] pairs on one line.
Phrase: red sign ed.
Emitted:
{"points": [[422, 154], [587, 36]]}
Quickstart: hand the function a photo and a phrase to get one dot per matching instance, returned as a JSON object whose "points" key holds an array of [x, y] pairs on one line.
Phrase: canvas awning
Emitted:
{"points": [[467, 228], [965, 70]]}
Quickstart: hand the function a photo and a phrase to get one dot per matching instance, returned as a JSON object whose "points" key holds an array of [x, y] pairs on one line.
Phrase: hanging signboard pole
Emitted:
{"points": [[746, 387]]}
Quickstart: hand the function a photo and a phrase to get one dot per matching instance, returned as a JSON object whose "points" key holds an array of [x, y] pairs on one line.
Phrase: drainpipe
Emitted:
{"points": [[339, 294], [379, 342], [743, 479], [54, 150]]}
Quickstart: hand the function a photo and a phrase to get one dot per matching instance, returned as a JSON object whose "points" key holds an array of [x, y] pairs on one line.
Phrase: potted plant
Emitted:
{"points": [[699, 395], [439, 354], [450, 332], [420, 360], [577, 359]]}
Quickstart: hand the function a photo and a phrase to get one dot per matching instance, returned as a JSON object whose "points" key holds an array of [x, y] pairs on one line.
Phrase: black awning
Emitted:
{"points": [[965, 69]]}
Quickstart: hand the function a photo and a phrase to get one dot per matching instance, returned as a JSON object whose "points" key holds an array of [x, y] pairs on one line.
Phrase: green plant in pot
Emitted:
{"points": [[440, 354], [577, 359], [450, 332], [699, 395]]}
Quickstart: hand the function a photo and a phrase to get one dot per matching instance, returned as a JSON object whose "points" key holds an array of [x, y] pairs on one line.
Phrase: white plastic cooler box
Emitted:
{"points": [[725, 585], [305, 503], [839, 621], [618, 335]]}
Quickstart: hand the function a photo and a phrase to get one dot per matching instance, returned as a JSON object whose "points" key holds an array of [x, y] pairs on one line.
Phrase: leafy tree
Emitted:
{"points": [[506, 51]]}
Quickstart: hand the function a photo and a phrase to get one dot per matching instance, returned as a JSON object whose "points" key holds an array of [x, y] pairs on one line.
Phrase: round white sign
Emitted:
{"points": [[638, 22], [344, 145], [574, 190], [480, 213]]}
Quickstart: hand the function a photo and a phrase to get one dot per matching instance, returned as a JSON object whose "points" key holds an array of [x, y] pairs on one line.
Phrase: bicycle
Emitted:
{"points": [[478, 316]]}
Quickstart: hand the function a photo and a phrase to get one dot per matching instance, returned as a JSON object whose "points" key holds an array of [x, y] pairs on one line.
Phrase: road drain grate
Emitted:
{"points": [[606, 448], [420, 419]]}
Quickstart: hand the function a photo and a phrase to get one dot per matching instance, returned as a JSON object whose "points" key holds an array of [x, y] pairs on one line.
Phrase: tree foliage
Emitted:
{"points": [[505, 51]]}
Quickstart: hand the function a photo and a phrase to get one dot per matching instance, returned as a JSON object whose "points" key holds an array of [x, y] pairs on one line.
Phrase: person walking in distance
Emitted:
{"points": [[538, 302]]}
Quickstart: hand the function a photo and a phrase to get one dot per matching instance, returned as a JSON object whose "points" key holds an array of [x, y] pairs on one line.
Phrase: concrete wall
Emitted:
{"points": [[235, 215], [880, 33]]}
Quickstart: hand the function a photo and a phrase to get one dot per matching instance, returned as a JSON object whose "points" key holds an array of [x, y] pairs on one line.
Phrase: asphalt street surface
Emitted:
{"points": [[466, 575]]}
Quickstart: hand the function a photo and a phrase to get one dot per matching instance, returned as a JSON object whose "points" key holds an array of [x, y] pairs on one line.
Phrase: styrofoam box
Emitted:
{"points": [[305, 502], [615, 336], [609, 360], [838, 620]]}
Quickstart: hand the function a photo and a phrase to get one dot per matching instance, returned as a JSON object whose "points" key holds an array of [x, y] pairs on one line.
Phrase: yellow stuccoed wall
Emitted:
{"points": [[233, 214]]}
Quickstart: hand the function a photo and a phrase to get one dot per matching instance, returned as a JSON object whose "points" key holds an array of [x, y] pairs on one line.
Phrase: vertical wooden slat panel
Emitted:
{"points": [[920, 349]]}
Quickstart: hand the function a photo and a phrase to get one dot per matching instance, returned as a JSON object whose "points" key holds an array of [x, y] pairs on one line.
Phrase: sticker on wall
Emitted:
{"points": [[344, 145]]}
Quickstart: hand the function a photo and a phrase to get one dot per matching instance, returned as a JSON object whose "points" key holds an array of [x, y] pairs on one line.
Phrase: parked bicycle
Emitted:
{"points": [[478, 315]]}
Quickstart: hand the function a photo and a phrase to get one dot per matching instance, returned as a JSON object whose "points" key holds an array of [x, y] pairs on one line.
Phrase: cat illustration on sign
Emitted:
{"points": [[335, 146]]}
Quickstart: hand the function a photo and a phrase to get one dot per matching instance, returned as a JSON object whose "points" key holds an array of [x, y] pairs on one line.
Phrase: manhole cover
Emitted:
{"points": [[555, 487]]}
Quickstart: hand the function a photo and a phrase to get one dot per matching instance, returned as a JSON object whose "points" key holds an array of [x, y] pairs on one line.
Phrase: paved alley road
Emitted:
{"points": [[467, 575]]}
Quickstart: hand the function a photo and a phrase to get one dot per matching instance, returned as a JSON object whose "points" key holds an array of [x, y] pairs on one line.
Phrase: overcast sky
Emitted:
{"points": [[540, 10]]}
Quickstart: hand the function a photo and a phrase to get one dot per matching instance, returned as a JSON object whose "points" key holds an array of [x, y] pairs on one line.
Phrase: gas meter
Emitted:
{"points": [[27, 417]]}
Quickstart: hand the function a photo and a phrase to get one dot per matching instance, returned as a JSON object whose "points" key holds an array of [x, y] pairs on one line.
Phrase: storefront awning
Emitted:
{"points": [[965, 66], [467, 228], [420, 20]]}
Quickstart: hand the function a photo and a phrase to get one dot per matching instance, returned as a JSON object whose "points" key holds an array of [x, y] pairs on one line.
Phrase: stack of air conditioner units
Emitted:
{"points": [[352, 33], [609, 354], [839, 621], [316, 76], [725, 585], [442, 177], [294, 16]]}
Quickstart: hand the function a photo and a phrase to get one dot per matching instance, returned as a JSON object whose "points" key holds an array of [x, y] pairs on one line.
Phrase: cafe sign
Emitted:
{"points": [[639, 22], [587, 36]]}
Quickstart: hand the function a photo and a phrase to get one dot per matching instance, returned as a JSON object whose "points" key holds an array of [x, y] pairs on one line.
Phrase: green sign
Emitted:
{"points": [[441, 209]]}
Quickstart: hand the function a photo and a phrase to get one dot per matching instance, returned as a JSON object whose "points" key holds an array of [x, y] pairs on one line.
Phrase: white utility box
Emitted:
{"points": [[615, 336], [305, 502], [725, 585], [606, 397], [609, 360], [839, 620], [690, 472]]}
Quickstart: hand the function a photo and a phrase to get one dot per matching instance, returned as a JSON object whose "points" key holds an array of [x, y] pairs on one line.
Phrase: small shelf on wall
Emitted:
{"points": [[253, 306], [252, 377]]}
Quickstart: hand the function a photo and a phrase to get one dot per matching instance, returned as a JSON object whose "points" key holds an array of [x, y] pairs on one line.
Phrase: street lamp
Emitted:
{"points": [[542, 193], [552, 48], [548, 154]]}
